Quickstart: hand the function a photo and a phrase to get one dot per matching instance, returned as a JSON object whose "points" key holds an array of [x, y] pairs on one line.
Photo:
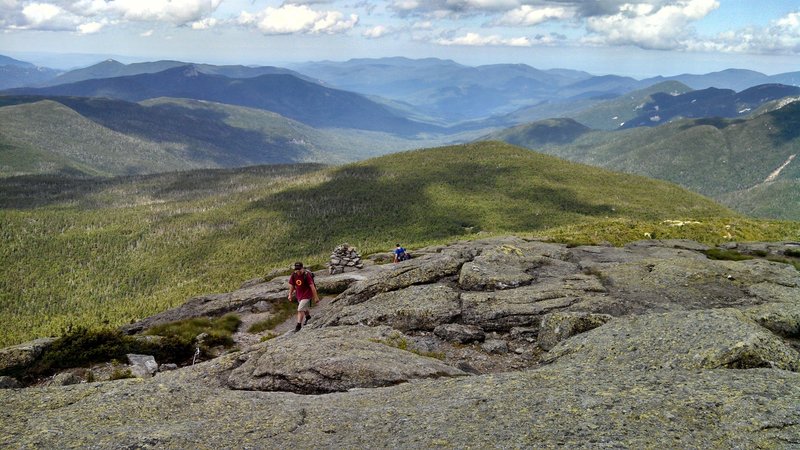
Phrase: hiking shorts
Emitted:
{"points": [[304, 305]]}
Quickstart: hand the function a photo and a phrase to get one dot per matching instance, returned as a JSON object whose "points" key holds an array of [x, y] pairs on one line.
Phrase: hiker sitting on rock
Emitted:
{"points": [[302, 282], [400, 254]]}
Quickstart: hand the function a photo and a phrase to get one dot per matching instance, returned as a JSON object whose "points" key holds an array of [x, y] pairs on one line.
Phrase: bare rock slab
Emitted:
{"points": [[702, 339], [316, 361]]}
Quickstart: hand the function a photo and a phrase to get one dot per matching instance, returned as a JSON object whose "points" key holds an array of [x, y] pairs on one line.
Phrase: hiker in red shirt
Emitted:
{"points": [[302, 282]]}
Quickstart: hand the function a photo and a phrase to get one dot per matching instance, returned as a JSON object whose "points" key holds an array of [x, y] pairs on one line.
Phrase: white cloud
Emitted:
{"points": [[376, 32], [90, 28], [178, 12], [37, 14], [791, 22], [90, 16], [204, 24], [647, 26], [477, 40], [782, 36], [527, 15], [290, 19], [147, 33]]}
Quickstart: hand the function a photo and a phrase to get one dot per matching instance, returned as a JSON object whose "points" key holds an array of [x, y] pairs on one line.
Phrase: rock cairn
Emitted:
{"points": [[344, 256]]}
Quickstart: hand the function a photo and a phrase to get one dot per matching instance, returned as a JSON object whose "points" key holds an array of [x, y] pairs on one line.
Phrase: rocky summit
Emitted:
{"points": [[502, 342]]}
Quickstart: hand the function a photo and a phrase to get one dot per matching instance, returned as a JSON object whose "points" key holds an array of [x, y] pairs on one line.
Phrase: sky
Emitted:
{"points": [[635, 38]]}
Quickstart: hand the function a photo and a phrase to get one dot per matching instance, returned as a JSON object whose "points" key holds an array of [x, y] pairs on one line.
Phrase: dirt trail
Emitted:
{"points": [[244, 339]]}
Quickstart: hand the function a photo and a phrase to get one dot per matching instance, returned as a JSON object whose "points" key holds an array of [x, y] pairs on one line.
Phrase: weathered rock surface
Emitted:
{"points": [[21, 356], [651, 345], [332, 360], [414, 308], [557, 327], [702, 339]]}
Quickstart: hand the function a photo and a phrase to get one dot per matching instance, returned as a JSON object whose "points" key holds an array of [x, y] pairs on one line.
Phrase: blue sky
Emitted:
{"points": [[637, 38]]}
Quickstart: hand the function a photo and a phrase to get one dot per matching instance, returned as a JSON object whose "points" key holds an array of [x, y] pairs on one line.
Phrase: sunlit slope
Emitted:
{"points": [[97, 136], [62, 140], [88, 252]]}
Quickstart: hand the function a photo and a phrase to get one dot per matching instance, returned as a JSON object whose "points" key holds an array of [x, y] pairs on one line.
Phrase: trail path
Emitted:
{"points": [[289, 324], [244, 339]]}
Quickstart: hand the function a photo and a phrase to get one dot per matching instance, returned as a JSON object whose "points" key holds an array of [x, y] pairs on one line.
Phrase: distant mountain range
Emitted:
{"points": [[15, 73], [112, 69], [284, 94], [732, 160], [452, 92]]}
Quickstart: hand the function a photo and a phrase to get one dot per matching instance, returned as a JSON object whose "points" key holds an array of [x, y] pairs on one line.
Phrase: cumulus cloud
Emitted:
{"points": [[204, 24], [376, 32], [90, 27], [782, 36], [290, 19], [179, 12], [527, 15], [90, 16], [649, 26], [37, 14], [477, 40]]}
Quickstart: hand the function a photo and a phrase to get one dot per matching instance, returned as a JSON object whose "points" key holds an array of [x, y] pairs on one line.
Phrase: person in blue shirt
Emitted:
{"points": [[400, 254]]}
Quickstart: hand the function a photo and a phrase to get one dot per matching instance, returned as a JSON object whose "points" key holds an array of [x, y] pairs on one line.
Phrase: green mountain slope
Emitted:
{"points": [[715, 157], [94, 251], [114, 137], [63, 140]]}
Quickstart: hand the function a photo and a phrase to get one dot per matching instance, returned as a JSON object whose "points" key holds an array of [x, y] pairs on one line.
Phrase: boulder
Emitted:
{"points": [[507, 265], [215, 305], [557, 326], [462, 334], [18, 357], [317, 361], [65, 379], [495, 346], [142, 366], [425, 269], [413, 308]]}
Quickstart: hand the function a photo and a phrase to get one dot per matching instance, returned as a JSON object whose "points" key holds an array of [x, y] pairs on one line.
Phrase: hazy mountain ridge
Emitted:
{"points": [[710, 102], [112, 69], [433, 85], [287, 95], [15, 73]]}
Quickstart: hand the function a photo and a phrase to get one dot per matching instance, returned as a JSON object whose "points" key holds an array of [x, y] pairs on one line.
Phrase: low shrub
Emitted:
{"points": [[83, 347], [794, 253], [120, 374], [726, 255]]}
